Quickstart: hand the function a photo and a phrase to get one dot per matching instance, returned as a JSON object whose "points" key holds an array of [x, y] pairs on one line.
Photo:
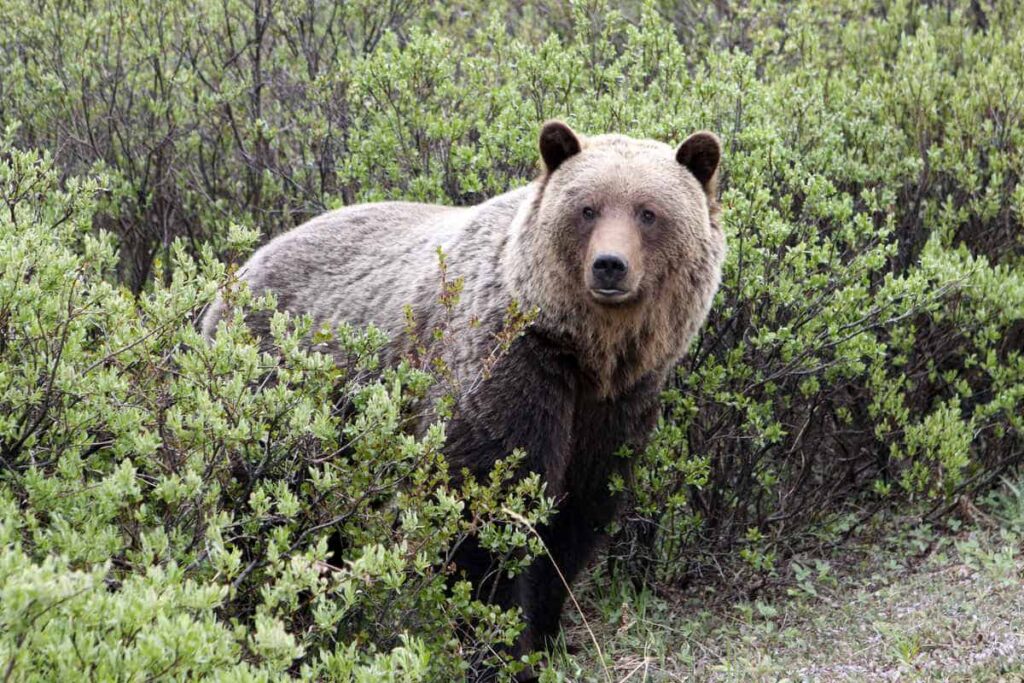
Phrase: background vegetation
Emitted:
{"points": [[164, 512]]}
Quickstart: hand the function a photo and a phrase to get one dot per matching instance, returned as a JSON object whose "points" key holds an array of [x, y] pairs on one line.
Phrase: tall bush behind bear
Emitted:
{"points": [[615, 249]]}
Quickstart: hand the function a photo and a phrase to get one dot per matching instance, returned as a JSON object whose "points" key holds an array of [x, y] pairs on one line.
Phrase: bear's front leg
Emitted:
{"points": [[527, 403], [569, 540], [602, 427]]}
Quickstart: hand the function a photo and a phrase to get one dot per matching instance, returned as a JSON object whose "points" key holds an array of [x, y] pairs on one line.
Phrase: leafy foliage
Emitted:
{"points": [[165, 505]]}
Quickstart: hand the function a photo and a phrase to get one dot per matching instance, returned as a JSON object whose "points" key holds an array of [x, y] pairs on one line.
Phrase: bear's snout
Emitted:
{"points": [[609, 272], [614, 261], [611, 279]]}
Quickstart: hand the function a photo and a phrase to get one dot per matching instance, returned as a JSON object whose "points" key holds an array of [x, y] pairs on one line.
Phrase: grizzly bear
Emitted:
{"points": [[615, 246]]}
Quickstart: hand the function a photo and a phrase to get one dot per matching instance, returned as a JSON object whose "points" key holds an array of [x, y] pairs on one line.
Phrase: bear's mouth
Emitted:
{"points": [[610, 296]]}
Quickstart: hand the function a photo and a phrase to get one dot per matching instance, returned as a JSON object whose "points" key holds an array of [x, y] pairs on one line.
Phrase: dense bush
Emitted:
{"points": [[165, 504], [865, 350]]}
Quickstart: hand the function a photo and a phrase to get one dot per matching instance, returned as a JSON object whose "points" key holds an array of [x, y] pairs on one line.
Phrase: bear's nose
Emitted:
{"points": [[609, 270]]}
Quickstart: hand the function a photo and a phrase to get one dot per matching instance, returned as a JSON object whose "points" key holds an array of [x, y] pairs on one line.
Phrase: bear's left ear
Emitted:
{"points": [[700, 154], [558, 142]]}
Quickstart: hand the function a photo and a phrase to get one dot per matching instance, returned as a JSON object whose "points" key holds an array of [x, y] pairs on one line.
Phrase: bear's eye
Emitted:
{"points": [[589, 213], [647, 216]]}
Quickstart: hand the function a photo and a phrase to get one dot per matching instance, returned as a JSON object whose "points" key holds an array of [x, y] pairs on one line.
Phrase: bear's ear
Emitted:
{"points": [[558, 142], [700, 154]]}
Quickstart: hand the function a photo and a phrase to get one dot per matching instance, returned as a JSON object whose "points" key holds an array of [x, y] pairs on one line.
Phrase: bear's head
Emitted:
{"points": [[619, 247]]}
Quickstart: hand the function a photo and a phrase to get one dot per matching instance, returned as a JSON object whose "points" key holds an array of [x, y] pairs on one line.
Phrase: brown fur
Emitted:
{"points": [[621, 343], [583, 380]]}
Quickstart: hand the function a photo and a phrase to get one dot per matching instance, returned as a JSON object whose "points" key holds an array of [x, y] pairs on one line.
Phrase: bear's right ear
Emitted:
{"points": [[700, 154], [558, 142]]}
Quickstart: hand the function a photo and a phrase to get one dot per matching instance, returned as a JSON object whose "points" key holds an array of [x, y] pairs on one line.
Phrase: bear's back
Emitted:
{"points": [[354, 264], [365, 264]]}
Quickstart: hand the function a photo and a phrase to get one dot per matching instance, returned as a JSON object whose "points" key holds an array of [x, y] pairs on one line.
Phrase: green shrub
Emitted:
{"points": [[165, 504], [865, 348], [864, 352]]}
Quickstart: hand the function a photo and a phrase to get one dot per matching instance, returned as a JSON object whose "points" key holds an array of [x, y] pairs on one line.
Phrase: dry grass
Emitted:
{"points": [[919, 606]]}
